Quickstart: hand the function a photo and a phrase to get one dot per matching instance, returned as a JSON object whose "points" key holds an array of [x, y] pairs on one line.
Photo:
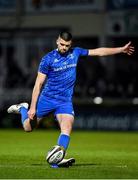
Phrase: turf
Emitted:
{"points": [[98, 155]]}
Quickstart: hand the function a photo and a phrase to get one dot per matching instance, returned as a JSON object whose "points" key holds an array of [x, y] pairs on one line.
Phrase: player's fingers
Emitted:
{"points": [[129, 43], [129, 53], [132, 50], [31, 116], [131, 47]]}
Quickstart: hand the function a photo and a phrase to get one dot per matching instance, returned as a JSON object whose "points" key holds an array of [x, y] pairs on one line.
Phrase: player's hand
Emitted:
{"points": [[31, 113], [128, 49]]}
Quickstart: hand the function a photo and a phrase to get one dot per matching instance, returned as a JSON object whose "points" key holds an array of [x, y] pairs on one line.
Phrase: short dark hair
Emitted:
{"points": [[65, 35]]}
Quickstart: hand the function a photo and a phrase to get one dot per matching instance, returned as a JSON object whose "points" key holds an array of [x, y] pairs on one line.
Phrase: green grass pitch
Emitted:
{"points": [[98, 155]]}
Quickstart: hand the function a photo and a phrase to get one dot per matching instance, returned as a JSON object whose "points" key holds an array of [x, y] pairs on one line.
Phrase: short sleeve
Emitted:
{"points": [[81, 51], [44, 65]]}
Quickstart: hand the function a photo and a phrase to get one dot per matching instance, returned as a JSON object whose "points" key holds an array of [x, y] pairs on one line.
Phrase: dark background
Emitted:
{"points": [[28, 30]]}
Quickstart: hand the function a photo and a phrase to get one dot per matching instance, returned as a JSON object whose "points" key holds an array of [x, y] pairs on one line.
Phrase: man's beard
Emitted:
{"points": [[63, 52]]}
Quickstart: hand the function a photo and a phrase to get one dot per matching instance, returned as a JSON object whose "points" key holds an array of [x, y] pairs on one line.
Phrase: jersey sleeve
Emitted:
{"points": [[81, 51], [44, 65]]}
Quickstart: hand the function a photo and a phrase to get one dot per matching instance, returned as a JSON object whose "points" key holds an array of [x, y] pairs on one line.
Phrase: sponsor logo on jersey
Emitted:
{"points": [[65, 67]]}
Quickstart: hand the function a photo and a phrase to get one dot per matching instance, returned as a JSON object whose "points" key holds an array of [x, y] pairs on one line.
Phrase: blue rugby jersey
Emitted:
{"points": [[61, 73]]}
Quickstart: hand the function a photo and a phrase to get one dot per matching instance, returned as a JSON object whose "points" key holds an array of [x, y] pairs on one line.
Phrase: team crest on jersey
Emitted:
{"points": [[71, 56]]}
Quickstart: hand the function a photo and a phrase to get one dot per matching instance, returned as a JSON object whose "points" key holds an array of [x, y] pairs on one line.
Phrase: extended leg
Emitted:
{"points": [[65, 123], [22, 109]]}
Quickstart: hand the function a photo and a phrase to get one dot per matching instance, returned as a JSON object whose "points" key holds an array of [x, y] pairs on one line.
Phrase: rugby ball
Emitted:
{"points": [[55, 155]]}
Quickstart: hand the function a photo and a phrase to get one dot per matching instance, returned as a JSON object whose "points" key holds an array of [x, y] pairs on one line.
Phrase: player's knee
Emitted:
{"points": [[68, 126], [29, 125], [27, 129]]}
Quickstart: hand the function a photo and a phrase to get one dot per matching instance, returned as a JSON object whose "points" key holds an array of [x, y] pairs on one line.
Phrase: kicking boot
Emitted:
{"points": [[66, 162], [16, 107]]}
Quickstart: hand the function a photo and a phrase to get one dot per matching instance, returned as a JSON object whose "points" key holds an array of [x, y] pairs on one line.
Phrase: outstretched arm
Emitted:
{"points": [[36, 91], [104, 51]]}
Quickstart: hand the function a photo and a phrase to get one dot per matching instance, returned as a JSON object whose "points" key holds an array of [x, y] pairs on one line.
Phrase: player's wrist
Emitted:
{"points": [[121, 50]]}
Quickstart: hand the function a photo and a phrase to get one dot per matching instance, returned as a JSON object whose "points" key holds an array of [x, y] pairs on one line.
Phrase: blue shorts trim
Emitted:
{"points": [[47, 105]]}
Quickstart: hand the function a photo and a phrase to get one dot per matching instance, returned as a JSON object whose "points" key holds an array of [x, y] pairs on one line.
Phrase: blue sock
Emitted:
{"points": [[64, 140], [24, 114]]}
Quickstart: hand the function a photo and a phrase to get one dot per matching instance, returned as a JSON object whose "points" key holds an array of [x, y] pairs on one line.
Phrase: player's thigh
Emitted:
{"points": [[44, 107], [64, 108]]}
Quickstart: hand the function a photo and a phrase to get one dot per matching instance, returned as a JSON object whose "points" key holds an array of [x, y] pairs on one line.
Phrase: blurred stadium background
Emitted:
{"points": [[106, 91]]}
